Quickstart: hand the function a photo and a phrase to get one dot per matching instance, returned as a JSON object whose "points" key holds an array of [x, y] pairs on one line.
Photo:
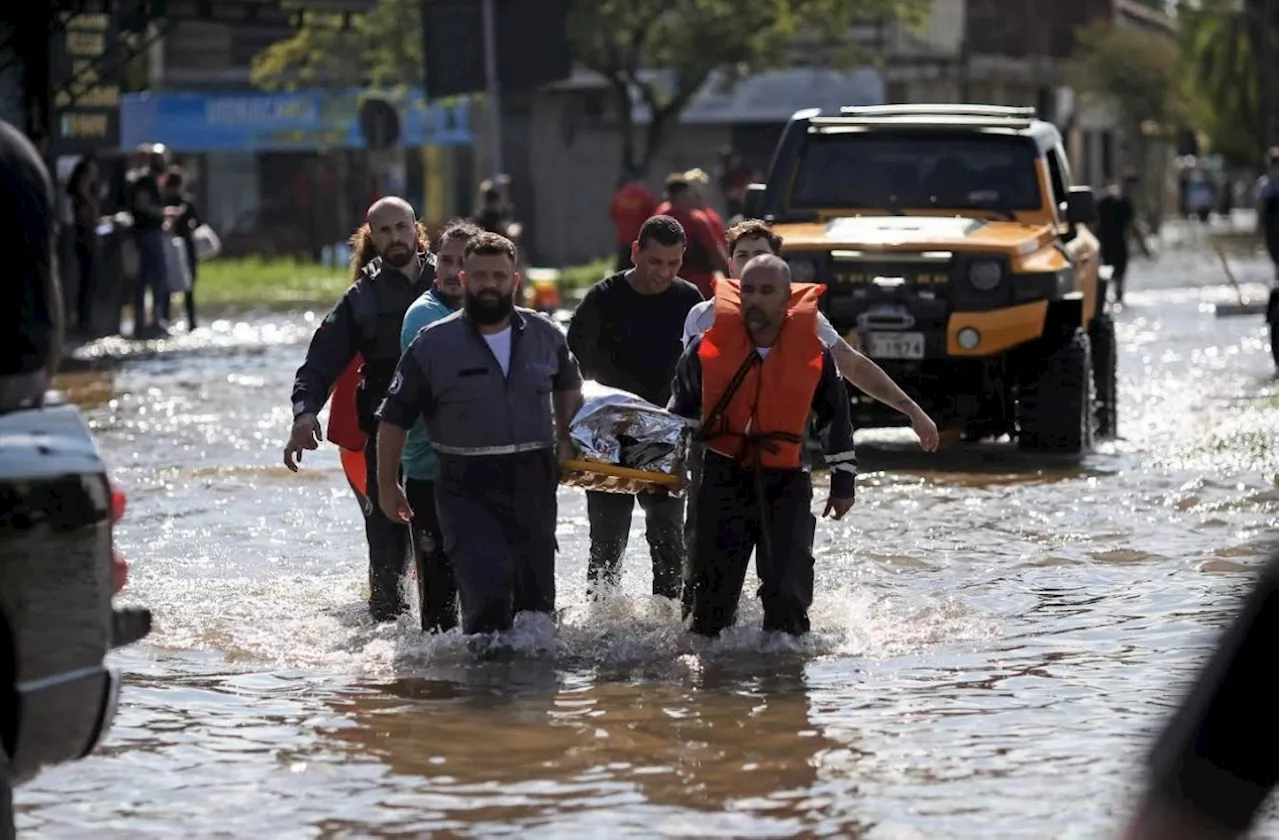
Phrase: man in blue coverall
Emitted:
{"points": [[437, 588], [497, 387]]}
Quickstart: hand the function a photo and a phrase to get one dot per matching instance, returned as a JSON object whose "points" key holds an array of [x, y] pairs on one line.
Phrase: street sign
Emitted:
{"points": [[85, 58]]}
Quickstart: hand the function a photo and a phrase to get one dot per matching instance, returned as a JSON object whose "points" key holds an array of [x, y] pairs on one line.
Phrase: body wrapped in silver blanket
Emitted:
{"points": [[619, 429]]}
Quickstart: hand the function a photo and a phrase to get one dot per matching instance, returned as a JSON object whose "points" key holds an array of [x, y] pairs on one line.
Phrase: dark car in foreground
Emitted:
{"points": [[59, 572]]}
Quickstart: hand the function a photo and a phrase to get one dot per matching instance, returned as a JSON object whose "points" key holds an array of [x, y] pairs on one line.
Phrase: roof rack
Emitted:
{"points": [[922, 121], [940, 109]]}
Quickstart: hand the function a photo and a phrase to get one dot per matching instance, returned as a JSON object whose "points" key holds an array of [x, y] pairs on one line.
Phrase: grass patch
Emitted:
{"points": [[283, 283], [582, 277], [258, 282]]}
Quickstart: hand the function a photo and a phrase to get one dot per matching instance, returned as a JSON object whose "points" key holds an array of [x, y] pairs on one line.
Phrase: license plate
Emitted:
{"points": [[891, 345]]}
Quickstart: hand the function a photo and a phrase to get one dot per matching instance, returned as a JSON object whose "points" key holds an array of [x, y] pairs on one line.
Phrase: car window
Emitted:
{"points": [[914, 171]]}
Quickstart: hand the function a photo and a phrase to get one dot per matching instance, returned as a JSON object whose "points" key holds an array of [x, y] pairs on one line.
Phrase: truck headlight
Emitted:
{"points": [[984, 275]]}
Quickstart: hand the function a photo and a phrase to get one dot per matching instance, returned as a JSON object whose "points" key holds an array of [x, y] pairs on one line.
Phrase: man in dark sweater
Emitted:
{"points": [[628, 333]]}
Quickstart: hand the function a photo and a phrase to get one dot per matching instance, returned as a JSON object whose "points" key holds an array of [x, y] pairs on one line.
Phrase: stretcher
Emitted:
{"points": [[611, 478]]}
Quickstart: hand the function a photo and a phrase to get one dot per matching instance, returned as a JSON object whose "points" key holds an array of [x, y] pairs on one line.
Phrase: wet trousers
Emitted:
{"points": [[498, 519], [437, 589], [153, 274], [389, 546], [738, 512], [610, 518], [696, 452]]}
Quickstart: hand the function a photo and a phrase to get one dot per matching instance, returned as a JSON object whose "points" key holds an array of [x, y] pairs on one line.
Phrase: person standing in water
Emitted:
{"points": [[367, 321], [1269, 226], [497, 388], [626, 334], [751, 381], [437, 588]]}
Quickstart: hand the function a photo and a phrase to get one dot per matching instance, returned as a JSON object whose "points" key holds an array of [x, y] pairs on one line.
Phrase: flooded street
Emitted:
{"points": [[995, 638]]}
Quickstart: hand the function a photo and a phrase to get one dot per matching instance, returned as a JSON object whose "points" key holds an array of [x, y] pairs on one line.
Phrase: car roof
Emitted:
{"points": [[997, 119]]}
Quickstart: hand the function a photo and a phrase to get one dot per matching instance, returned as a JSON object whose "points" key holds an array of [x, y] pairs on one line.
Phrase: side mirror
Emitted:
{"points": [[753, 201], [1082, 207]]}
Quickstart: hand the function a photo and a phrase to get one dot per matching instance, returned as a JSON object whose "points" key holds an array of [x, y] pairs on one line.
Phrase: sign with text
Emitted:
{"points": [[296, 121], [85, 76]]}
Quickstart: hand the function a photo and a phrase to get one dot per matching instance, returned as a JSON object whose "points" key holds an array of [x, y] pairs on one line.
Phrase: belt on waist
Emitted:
{"points": [[510, 449]]}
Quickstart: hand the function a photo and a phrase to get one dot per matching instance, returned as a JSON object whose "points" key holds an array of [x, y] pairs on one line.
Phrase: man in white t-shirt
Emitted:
{"points": [[752, 238]]}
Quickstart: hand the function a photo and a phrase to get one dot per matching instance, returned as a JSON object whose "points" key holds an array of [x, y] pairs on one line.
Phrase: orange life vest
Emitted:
{"points": [[767, 414], [344, 424]]}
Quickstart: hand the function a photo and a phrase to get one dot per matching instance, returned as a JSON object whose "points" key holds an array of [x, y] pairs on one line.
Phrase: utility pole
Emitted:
{"points": [[492, 93]]}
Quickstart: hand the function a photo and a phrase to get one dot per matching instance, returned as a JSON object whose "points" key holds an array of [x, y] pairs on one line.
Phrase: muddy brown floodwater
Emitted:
{"points": [[995, 638]]}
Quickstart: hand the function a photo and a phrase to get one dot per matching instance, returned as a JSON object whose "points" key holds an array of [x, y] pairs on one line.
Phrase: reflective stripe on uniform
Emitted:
{"points": [[512, 449]]}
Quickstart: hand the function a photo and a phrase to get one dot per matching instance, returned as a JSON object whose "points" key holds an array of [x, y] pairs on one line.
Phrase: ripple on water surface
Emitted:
{"points": [[995, 637]]}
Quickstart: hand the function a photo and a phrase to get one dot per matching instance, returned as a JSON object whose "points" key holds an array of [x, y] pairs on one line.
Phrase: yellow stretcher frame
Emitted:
{"points": [[611, 478]]}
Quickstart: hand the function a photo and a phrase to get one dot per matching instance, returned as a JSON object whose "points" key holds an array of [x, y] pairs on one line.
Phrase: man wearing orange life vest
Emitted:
{"points": [[752, 380]]}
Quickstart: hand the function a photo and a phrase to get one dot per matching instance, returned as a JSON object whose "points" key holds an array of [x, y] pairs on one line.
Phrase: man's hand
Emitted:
{"points": [[837, 508], [565, 450], [394, 504], [926, 430], [305, 434]]}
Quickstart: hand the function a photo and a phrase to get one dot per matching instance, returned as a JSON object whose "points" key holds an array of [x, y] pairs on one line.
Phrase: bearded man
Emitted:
{"points": [[367, 322]]}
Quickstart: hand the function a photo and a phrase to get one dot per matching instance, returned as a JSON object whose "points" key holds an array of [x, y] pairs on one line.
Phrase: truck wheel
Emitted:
{"points": [[1055, 403], [1273, 314], [1102, 348]]}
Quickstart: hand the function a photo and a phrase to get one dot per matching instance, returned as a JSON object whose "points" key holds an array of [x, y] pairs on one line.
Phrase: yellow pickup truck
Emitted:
{"points": [[956, 254]]}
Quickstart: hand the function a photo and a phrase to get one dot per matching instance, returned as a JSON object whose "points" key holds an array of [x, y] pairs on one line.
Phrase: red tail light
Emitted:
{"points": [[119, 567], [117, 503]]}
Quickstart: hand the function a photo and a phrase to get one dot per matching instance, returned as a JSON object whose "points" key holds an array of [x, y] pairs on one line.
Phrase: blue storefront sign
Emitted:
{"points": [[270, 122]]}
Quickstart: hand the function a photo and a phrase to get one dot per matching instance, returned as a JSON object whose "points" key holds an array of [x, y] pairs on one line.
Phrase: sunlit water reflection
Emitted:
{"points": [[995, 637]]}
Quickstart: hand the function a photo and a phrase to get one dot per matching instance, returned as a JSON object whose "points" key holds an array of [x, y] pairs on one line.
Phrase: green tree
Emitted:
{"points": [[688, 43], [1230, 47], [1138, 72]]}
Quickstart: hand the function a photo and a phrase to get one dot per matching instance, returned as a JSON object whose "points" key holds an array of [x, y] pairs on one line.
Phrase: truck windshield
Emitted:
{"points": [[916, 171]]}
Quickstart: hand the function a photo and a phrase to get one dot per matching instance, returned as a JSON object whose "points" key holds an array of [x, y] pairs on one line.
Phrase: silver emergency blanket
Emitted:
{"points": [[618, 427]]}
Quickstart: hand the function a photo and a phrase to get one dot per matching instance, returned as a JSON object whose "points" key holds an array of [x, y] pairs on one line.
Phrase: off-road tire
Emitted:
{"points": [[1273, 314], [1055, 400], [1102, 350]]}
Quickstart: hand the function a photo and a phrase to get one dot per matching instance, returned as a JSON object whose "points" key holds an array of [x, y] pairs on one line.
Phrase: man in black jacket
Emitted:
{"points": [[367, 322], [627, 333]]}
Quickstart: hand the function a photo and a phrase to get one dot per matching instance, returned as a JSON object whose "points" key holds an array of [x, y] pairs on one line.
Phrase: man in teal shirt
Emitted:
{"points": [[437, 589]]}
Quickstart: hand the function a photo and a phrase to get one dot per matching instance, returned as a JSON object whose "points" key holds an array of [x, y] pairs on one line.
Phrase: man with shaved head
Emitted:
{"points": [[367, 322], [751, 381]]}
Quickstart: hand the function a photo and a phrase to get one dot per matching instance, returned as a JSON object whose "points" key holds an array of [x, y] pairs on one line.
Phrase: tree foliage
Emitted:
{"points": [[689, 43], [1138, 71], [1231, 59]]}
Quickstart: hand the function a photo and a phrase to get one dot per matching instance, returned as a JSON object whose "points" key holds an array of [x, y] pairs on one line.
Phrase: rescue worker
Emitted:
{"points": [[750, 239], [437, 589], [753, 237], [367, 321], [752, 380], [485, 380], [626, 334]]}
